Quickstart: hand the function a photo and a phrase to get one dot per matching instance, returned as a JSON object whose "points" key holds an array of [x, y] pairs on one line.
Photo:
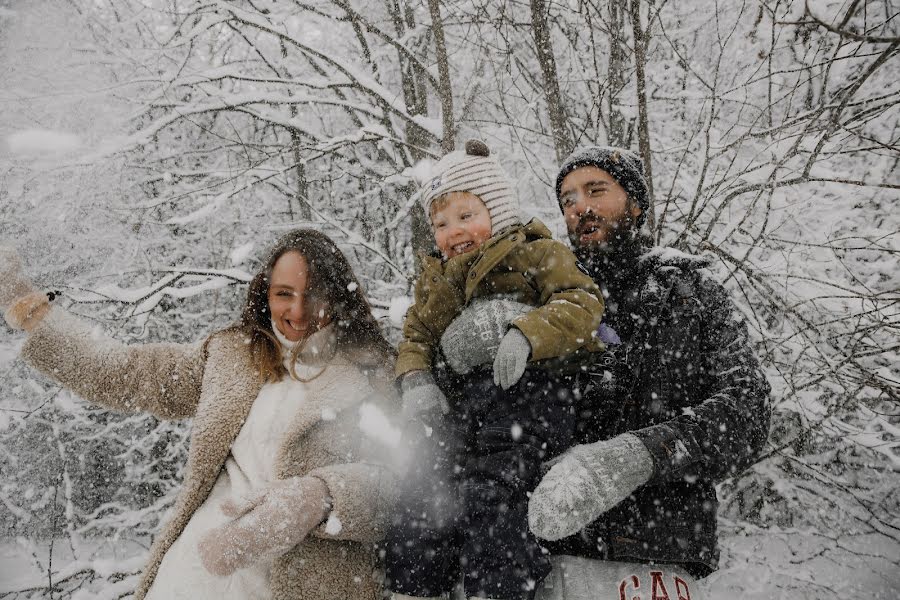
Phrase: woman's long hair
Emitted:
{"points": [[330, 283]]}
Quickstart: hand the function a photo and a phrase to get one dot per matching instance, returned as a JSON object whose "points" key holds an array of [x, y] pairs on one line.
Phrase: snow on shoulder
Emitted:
{"points": [[671, 257]]}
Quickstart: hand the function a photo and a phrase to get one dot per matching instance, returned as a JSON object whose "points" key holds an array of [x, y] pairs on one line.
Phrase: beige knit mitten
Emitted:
{"points": [[13, 283], [26, 312], [24, 306], [266, 524]]}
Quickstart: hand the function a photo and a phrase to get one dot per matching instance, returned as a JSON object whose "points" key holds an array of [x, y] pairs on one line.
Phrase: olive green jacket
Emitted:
{"points": [[524, 264]]}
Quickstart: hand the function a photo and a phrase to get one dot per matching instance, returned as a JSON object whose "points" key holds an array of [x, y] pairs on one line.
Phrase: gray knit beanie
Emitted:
{"points": [[476, 172], [623, 165]]}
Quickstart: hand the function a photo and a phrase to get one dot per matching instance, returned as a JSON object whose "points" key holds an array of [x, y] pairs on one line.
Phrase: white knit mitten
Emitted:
{"points": [[512, 358], [585, 482]]}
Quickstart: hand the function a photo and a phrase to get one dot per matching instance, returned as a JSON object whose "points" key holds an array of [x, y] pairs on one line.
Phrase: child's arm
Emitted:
{"points": [[436, 302], [571, 304], [416, 351], [419, 393], [425, 321]]}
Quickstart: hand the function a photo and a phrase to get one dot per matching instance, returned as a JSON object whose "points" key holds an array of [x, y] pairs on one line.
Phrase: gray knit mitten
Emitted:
{"points": [[472, 339], [512, 358], [585, 482], [13, 283], [421, 394]]}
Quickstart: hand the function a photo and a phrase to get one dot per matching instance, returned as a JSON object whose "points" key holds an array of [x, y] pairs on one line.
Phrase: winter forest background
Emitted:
{"points": [[151, 150]]}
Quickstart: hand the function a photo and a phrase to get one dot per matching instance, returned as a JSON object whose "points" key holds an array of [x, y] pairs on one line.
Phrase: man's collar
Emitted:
{"points": [[618, 268]]}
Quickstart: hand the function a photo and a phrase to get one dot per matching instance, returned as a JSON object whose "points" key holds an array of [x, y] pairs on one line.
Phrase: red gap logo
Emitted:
{"points": [[658, 590]]}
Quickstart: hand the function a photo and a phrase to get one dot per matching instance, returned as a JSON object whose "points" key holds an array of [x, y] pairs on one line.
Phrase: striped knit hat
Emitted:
{"points": [[476, 172]]}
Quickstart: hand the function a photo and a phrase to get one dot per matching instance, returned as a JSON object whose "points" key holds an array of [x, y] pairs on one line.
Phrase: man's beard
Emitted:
{"points": [[619, 232]]}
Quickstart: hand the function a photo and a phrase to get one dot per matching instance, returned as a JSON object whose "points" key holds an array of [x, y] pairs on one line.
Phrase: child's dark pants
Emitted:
{"points": [[463, 511]]}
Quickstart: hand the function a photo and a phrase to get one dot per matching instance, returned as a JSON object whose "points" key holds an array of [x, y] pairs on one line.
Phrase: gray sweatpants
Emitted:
{"points": [[574, 578]]}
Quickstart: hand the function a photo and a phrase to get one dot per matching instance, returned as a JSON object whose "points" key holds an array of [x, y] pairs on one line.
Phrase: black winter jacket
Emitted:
{"points": [[685, 381]]}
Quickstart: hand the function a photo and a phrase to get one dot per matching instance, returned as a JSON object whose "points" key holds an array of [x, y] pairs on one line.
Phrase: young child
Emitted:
{"points": [[463, 512]]}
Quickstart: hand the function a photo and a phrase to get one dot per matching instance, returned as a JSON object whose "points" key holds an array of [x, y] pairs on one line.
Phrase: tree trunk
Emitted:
{"points": [[562, 140], [640, 58], [300, 172], [440, 50], [414, 94], [617, 123]]}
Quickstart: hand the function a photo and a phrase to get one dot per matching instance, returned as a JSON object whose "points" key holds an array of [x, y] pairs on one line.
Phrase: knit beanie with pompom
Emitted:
{"points": [[474, 170]]}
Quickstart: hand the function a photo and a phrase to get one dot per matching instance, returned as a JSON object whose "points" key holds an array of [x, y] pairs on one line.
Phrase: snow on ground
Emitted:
{"points": [[756, 565], [104, 570], [766, 564]]}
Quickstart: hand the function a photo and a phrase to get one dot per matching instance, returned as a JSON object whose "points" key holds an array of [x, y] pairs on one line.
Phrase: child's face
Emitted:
{"points": [[461, 224]]}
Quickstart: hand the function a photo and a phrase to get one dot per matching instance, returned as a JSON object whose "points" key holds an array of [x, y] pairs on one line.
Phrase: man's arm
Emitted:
{"points": [[724, 433], [719, 436]]}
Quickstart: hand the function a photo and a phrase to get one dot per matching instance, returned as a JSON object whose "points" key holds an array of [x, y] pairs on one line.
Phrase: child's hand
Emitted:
{"points": [[421, 394], [512, 358]]}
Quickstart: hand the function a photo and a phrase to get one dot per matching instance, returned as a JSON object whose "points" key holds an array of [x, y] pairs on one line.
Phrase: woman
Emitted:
{"points": [[283, 496]]}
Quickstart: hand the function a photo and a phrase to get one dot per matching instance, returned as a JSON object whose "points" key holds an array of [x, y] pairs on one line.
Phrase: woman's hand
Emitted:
{"points": [[472, 339], [13, 283], [27, 312], [24, 306], [266, 524]]}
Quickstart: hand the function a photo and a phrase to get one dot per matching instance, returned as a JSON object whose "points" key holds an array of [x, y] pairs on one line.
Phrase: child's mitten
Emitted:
{"points": [[421, 394], [585, 482], [512, 358]]}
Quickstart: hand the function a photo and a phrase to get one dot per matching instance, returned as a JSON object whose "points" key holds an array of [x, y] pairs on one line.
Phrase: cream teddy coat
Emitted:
{"points": [[216, 384]]}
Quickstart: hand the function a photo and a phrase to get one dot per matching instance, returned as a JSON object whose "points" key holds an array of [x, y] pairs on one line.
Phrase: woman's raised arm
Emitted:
{"points": [[163, 379]]}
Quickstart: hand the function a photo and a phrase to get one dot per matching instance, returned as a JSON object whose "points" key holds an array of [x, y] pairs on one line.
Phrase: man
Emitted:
{"points": [[677, 404]]}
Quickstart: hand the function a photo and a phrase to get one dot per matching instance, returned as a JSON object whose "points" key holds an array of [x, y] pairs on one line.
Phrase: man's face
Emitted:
{"points": [[596, 208]]}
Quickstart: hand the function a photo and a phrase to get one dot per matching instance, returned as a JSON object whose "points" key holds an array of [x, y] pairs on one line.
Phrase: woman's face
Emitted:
{"points": [[289, 299]]}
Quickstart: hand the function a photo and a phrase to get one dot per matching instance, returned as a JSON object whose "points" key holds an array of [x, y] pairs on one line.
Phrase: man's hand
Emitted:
{"points": [[472, 339], [585, 482]]}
